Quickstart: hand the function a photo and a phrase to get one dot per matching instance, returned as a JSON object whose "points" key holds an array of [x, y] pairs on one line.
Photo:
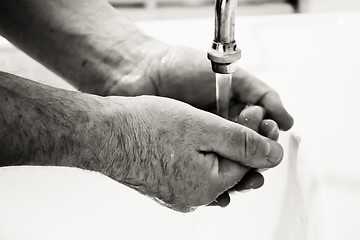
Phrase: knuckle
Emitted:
{"points": [[250, 145], [258, 109], [251, 117]]}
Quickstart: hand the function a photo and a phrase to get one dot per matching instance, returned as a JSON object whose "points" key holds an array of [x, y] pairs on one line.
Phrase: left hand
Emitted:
{"points": [[185, 74]]}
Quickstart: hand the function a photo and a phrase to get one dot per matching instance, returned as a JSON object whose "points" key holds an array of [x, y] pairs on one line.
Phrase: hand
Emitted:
{"points": [[169, 150], [182, 156], [185, 74], [253, 118]]}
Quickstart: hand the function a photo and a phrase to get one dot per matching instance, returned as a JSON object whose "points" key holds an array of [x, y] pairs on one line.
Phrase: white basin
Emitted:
{"points": [[312, 60]]}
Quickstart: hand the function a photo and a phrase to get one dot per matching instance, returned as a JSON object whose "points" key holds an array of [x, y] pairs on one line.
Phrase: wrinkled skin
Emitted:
{"points": [[176, 153], [253, 118], [185, 74], [188, 157], [164, 148]]}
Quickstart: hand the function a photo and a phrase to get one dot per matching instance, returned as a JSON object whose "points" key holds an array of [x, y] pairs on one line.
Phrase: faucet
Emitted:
{"points": [[224, 52]]}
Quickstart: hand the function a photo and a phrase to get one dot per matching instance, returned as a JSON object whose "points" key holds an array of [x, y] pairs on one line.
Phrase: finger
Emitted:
{"points": [[252, 117], [270, 129], [276, 112], [249, 89], [252, 180], [234, 110], [223, 200], [243, 145], [228, 174]]}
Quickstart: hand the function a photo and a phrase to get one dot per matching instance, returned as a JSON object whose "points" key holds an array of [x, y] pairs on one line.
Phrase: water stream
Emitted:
{"points": [[223, 88]]}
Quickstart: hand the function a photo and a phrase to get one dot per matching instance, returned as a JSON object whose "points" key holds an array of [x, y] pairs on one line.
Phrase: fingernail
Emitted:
{"points": [[269, 128], [274, 153], [274, 133]]}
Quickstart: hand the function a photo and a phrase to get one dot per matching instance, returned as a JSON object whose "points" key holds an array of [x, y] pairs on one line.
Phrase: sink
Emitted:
{"points": [[69, 203], [312, 61]]}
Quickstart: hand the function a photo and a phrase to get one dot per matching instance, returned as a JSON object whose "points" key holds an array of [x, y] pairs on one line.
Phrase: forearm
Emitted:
{"points": [[41, 125], [83, 41]]}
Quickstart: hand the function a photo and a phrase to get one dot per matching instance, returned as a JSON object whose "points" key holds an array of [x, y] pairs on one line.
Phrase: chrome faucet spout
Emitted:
{"points": [[224, 52], [225, 20]]}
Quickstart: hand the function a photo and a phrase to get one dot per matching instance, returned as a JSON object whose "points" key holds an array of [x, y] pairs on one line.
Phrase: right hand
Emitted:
{"points": [[182, 156], [252, 117]]}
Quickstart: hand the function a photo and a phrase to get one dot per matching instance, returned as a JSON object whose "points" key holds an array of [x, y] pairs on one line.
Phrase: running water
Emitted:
{"points": [[223, 88]]}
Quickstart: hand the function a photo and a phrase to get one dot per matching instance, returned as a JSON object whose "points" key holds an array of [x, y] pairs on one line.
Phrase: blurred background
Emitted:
{"points": [[158, 10], [178, 9], [310, 59]]}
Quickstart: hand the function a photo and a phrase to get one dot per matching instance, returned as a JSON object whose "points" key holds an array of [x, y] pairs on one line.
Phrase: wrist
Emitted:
{"points": [[110, 53], [83, 144], [91, 143], [79, 134], [82, 41], [109, 137], [42, 125]]}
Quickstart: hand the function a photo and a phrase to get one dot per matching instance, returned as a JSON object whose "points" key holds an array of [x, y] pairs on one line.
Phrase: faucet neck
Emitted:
{"points": [[225, 20], [224, 52]]}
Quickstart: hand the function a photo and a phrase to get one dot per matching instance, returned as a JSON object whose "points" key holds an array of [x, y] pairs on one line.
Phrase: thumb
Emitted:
{"points": [[245, 146], [230, 173]]}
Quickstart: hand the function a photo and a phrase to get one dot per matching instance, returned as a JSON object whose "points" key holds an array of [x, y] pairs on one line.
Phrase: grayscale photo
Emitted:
{"points": [[179, 119]]}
